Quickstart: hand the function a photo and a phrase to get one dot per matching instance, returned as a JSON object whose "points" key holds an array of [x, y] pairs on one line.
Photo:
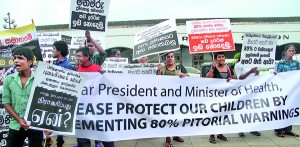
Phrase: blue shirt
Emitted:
{"points": [[63, 63], [285, 65]]}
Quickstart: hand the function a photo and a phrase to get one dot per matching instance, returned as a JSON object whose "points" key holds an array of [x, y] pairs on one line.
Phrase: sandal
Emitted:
{"points": [[279, 134], [178, 139], [291, 134], [212, 140], [222, 137], [168, 142]]}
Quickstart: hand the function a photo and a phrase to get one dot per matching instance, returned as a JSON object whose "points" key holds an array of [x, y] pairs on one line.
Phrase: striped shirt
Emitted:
{"points": [[98, 58]]}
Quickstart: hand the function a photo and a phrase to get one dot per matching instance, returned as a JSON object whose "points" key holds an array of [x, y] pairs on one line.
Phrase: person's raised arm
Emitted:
{"points": [[210, 73], [97, 45]]}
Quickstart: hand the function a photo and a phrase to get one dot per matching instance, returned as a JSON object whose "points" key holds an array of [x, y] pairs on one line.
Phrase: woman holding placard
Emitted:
{"points": [[171, 69]]}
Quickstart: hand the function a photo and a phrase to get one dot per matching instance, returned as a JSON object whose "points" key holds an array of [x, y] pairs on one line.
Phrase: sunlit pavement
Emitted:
{"points": [[267, 138]]}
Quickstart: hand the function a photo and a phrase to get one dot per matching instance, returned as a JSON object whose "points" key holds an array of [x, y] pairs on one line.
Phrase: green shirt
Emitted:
{"points": [[16, 96], [98, 58]]}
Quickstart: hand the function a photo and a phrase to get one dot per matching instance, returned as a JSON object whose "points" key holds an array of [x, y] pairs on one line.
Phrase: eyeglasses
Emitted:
{"points": [[90, 45]]}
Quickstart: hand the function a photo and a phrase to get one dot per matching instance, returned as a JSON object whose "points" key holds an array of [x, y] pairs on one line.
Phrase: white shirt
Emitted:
{"points": [[241, 69]]}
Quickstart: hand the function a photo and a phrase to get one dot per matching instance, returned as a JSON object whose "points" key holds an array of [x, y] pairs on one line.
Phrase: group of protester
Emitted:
{"points": [[220, 70], [18, 82]]}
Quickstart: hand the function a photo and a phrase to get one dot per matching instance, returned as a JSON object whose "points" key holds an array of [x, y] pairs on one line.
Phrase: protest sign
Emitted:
{"points": [[113, 107], [79, 41], [66, 39], [72, 56], [89, 15], [114, 65], [46, 41], [52, 103], [156, 39], [209, 36], [137, 69], [259, 50], [4, 126], [23, 36]]}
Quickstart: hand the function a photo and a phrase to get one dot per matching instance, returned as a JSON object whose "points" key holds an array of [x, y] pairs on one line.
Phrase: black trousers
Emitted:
{"points": [[16, 138], [60, 140]]}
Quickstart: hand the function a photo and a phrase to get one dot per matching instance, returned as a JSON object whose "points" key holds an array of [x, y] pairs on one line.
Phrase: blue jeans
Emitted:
{"points": [[285, 129], [83, 142]]}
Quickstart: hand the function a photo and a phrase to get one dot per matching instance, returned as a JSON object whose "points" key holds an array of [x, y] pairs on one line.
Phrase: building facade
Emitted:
{"points": [[121, 35]]}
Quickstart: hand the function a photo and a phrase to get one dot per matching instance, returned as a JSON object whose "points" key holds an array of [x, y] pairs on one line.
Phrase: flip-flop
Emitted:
{"points": [[279, 134], [169, 144], [222, 137], [212, 140], [178, 139], [291, 134]]}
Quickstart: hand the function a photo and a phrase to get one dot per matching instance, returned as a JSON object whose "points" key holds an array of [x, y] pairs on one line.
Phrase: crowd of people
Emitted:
{"points": [[17, 82]]}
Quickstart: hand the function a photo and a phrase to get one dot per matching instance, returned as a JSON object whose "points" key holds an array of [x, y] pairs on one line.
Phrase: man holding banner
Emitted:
{"points": [[285, 65], [16, 91], [243, 72], [84, 65]]}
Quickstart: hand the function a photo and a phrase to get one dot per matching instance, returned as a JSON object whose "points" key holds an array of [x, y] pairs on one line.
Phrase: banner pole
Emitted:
{"points": [[158, 58]]}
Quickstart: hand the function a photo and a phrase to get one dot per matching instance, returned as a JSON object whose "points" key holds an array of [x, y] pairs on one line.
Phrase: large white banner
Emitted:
{"points": [[120, 107]]}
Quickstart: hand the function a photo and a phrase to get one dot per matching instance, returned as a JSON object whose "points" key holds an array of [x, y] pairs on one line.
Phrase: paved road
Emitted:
{"points": [[267, 138]]}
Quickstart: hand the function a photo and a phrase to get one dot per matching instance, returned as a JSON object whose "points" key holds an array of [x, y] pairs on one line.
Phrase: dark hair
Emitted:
{"points": [[288, 46], [26, 52], [283, 54], [62, 47], [113, 52], [87, 41], [85, 51], [218, 53], [166, 54]]}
